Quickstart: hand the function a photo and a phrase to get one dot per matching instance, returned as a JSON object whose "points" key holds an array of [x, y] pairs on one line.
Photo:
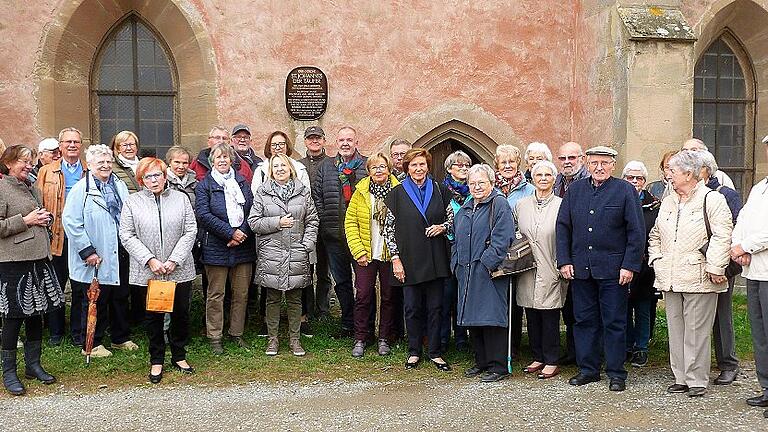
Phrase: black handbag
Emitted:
{"points": [[733, 268], [519, 257]]}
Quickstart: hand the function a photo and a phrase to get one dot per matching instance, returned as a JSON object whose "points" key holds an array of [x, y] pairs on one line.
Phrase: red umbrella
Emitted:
{"points": [[93, 296]]}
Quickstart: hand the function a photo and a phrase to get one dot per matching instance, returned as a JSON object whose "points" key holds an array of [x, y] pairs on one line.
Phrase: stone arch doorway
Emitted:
{"points": [[69, 47], [456, 135]]}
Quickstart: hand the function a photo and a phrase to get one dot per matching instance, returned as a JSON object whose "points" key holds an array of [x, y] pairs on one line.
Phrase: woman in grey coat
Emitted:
{"points": [[483, 228], [158, 229], [285, 219]]}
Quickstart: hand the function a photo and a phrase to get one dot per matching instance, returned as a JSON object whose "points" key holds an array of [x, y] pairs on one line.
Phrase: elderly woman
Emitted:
{"points": [[414, 234], [534, 153], [125, 145], [725, 338], [285, 219], [512, 184], [28, 284], [456, 167], [364, 229], [750, 249], [223, 200], [541, 291], [658, 188], [690, 278], [178, 175], [158, 228], [91, 220], [484, 228], [641, 307]]}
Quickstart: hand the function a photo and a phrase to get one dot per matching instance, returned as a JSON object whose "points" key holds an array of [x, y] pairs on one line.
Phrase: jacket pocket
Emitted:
{"points": [[23, 236]]}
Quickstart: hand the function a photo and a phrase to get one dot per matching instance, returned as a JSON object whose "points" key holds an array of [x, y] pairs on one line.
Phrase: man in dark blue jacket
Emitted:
{"points": [[600, 241]]}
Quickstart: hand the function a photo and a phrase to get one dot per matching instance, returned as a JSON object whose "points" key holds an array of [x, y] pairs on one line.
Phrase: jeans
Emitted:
{"points": [[639, 324], [340, 263]]}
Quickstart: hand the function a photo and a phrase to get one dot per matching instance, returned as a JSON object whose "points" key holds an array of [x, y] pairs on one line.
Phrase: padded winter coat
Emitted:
{"points": [[357, 222], [326, 191], [283, 253]]}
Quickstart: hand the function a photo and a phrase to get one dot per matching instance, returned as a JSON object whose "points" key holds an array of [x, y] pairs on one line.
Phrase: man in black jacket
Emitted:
{"points": [[331, 191]]}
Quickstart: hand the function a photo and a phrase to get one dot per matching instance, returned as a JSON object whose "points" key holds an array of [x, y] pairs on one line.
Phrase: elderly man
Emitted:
{"points": [[314, 140], [570, 161], [696, 144], [47, 151], [397, 151], [55, 180], [332, 190], [749, 247], [201, 166], [241, 142], [600, 244]]}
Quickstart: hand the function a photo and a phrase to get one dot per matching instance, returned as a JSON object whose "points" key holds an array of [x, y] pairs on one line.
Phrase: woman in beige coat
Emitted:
{"points": [[689, 278], [541, 291]]}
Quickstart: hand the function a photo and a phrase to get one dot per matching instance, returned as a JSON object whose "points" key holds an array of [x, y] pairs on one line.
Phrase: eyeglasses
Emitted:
{"points": [[26, 162], [461, 165], [155, 176], [54, 152], [241, 138], [277, 145], [218, 137], [477, 184], [570, 157], [397, 154], [634, 177], [379, 168], [128, 145]]}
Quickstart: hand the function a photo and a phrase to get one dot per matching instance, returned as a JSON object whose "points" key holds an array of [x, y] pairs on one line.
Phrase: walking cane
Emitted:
{"points": [[509, 328]]}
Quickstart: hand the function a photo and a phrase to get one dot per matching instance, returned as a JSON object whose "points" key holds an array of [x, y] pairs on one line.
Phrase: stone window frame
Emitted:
{"points": [[747, 170], [133, 19]]}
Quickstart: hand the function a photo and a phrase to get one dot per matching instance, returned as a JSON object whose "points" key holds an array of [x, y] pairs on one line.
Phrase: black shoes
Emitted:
{"points": [[639, 359], [186, 370], [580, 379], [758, 401], [677, 388], [413, 364], [306, 329], [726, 377], [567, 359], [473, 372], [617, 385], [155, 379], [492, 377], [445, 367]]}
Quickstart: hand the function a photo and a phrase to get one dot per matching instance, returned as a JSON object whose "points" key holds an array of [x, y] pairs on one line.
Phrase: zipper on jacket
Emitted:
{"points": [[160, 220]]}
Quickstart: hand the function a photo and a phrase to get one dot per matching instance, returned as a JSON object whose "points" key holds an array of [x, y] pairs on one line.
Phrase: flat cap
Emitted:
{"points": [[602, 151]]}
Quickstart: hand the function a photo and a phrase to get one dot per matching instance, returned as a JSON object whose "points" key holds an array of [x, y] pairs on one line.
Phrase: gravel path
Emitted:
{"points": [[519, 403]]}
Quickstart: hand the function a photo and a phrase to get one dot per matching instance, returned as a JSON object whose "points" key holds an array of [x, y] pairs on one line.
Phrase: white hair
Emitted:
{"points": [[538, 147], [483, 169], [635, 166], [708, 162], [95, 150], [544, 164], [688, 161]]}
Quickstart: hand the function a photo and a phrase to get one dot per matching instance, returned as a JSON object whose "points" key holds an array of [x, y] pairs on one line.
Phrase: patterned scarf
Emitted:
{"points": [[460, 190], [380, 192], [347, 175], [109, 192], [508, 185], [285, 191]]}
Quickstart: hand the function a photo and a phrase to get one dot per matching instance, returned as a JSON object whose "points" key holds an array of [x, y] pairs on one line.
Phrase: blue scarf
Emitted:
{"points": [[109, 192], [415, 194]]}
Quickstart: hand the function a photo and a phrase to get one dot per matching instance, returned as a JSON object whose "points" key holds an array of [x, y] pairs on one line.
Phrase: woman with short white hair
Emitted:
{"points": [[535, 152]]}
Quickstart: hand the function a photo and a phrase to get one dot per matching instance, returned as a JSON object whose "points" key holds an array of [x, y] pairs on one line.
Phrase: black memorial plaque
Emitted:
{"points": [[306, 93]]}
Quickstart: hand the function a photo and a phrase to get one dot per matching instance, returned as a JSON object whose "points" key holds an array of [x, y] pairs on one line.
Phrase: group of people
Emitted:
{"points": [[604, 249]]}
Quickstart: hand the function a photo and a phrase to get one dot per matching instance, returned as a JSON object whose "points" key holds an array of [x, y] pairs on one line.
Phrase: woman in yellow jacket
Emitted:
{"points": [[364, 228]]}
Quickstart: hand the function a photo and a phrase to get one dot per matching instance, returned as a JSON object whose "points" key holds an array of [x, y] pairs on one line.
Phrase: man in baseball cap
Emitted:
{"points": [[47, 152]]}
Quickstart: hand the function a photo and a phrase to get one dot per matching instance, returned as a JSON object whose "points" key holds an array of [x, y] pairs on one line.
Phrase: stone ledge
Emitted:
{"points": [[656, 23]]}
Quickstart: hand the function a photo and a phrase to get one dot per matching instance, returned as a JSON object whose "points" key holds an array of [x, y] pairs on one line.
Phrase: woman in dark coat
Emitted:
{"points": [[223, 202], [641, 308], [484, 228], [419, 253]]}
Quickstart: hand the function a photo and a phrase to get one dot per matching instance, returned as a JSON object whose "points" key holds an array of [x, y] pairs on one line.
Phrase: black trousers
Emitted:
{"points": [[544, 334], [12, 328], [111, 311], [138, 294], [57, 318], [516, 336], [178, 333], [423, 309], [569, 320], [490, 346]]}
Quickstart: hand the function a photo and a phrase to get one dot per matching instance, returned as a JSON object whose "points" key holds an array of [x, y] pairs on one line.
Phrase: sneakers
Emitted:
{"points": [[296, 348], [359, 349], [98, 352], [384, 348], [262, 330], [639, 359], [272, 346], [306, 329], [125, 346]]}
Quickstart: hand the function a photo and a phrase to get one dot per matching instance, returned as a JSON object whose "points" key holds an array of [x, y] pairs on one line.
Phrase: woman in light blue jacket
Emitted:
{"points": [[91, 220]]}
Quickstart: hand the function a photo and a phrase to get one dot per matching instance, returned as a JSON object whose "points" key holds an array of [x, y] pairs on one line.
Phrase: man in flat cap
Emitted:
{"points": [[600, 241]]}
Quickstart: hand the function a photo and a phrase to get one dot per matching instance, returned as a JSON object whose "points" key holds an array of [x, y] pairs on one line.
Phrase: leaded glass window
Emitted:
{"points": [[135, 88]]}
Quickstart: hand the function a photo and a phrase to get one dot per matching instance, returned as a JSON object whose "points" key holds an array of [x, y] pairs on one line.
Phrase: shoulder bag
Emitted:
{"points": [[733, 268], [519, 256]]}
